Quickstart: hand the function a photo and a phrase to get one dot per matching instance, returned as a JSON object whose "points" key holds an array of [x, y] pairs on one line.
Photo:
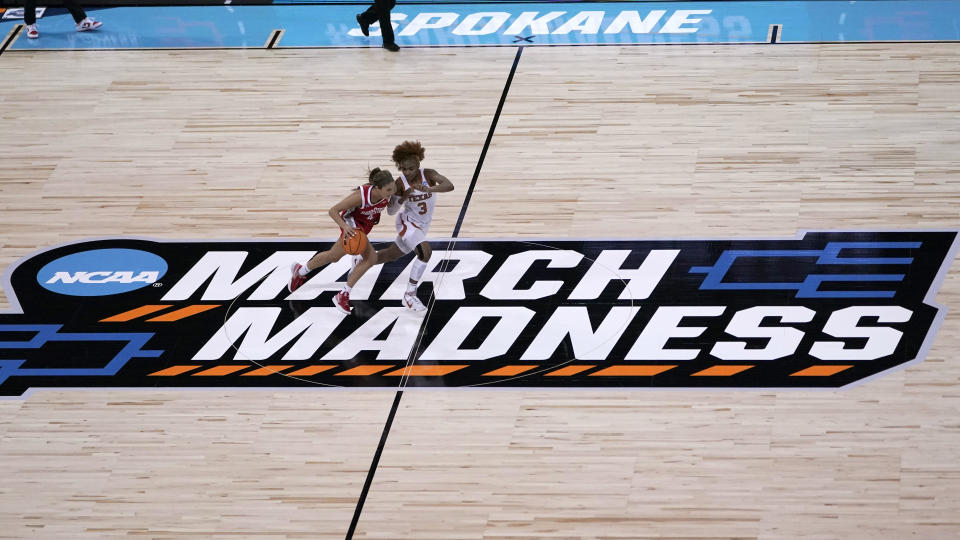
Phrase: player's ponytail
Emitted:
{"points": [[380, 177]]}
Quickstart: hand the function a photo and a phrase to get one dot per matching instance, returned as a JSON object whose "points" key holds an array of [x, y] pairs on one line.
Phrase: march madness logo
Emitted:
{"points": [[826, 310]]}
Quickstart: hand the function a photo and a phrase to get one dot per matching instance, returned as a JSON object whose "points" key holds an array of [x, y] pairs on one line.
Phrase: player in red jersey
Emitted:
{"points": [[359, 210]]}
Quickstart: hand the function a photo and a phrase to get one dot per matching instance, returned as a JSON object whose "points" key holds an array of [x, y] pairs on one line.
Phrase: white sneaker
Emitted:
{"points": [[88, 24], [354, 261], [411, 302], [32, 31]]}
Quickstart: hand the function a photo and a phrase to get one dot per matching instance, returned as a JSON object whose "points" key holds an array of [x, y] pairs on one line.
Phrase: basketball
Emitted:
{"points": [[356, 244]]}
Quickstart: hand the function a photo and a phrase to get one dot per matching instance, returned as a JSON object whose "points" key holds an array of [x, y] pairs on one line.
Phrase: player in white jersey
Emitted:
{"points": [[413, 222]]}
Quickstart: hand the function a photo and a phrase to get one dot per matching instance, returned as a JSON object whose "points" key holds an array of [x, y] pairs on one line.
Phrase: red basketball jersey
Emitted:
{"points": [[366, 215]]}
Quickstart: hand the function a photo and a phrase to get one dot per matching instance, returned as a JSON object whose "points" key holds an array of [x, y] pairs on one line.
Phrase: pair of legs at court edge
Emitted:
{"points": [[362, 263], [379, 11], [83, 23]]}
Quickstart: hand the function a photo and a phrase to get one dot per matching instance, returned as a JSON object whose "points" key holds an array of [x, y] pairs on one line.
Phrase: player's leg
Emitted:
{"points": [[383, 8], [419, 266], [298, 272], [334, 254], [342, 299], [390, 254], [30, 18], [83, 23], [369, 258]]}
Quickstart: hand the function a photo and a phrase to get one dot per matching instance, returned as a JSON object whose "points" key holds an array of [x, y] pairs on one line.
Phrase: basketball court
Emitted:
{"points": [[714, 140]]}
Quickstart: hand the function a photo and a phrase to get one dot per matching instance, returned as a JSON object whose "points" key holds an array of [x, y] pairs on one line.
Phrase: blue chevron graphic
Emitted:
{"points": [[810, 286], [46, 333]]}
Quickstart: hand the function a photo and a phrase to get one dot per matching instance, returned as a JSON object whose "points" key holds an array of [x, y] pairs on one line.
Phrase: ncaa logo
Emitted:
{"points": [[102, 272]]}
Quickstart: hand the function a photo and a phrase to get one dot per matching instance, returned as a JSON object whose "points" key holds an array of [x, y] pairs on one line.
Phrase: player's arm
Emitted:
{"points": [[394, 205], [403, 191], [351, 201], [438, 182]]}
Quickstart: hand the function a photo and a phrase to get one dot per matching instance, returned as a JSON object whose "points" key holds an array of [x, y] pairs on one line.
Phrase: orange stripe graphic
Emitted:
{"points": [[632, 371], [182, 313], [173, 370], [266, 370], [219, 371], [310, 370], [820, 371], [721, 371], [569, 370], [507, 371], [364, 370], [134, 313], [424, 371]]}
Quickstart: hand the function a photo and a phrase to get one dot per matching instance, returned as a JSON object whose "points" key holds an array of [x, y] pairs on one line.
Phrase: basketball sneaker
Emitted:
{"points": [[296, 280], [88, 24], [342, 302], [355, 260], [411, 302], [32, 31]]}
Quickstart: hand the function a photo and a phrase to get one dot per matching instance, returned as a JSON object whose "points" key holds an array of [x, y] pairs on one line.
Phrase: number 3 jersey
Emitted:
{"points": [[417, 208]]}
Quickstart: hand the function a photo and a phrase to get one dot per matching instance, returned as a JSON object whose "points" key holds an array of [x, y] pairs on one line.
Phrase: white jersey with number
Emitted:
{"points": [[414, 221], [418, 208]]}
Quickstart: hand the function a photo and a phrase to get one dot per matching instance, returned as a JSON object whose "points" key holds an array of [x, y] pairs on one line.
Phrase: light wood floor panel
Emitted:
{"points": [[703, 142], [636, 142], [194, 145], [193, 464], [665, 142]]}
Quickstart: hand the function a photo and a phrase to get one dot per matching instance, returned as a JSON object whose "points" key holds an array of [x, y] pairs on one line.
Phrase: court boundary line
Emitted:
{"points": [[497, 45], [12, 36]]}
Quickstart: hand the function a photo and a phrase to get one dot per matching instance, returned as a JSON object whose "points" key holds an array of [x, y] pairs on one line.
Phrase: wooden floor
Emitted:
{"points": [[593, 142]]}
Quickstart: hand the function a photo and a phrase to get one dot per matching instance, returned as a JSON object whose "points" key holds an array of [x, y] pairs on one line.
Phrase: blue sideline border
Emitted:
{"points": [[499, 24]]}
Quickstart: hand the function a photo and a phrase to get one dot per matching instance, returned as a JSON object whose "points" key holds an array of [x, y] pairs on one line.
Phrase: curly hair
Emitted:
{"points": [[407, 149]]}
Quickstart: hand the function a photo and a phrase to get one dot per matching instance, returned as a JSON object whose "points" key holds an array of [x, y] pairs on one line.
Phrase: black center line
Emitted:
{"points": [[413, 352]]}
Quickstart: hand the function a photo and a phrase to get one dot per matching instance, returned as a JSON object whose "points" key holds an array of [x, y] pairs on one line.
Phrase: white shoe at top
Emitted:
{"points": [[88, 24], [411, 302]]}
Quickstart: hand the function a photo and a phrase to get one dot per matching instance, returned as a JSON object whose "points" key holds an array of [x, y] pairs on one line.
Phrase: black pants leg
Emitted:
{"points": [[30, 11], [380, 11]]}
